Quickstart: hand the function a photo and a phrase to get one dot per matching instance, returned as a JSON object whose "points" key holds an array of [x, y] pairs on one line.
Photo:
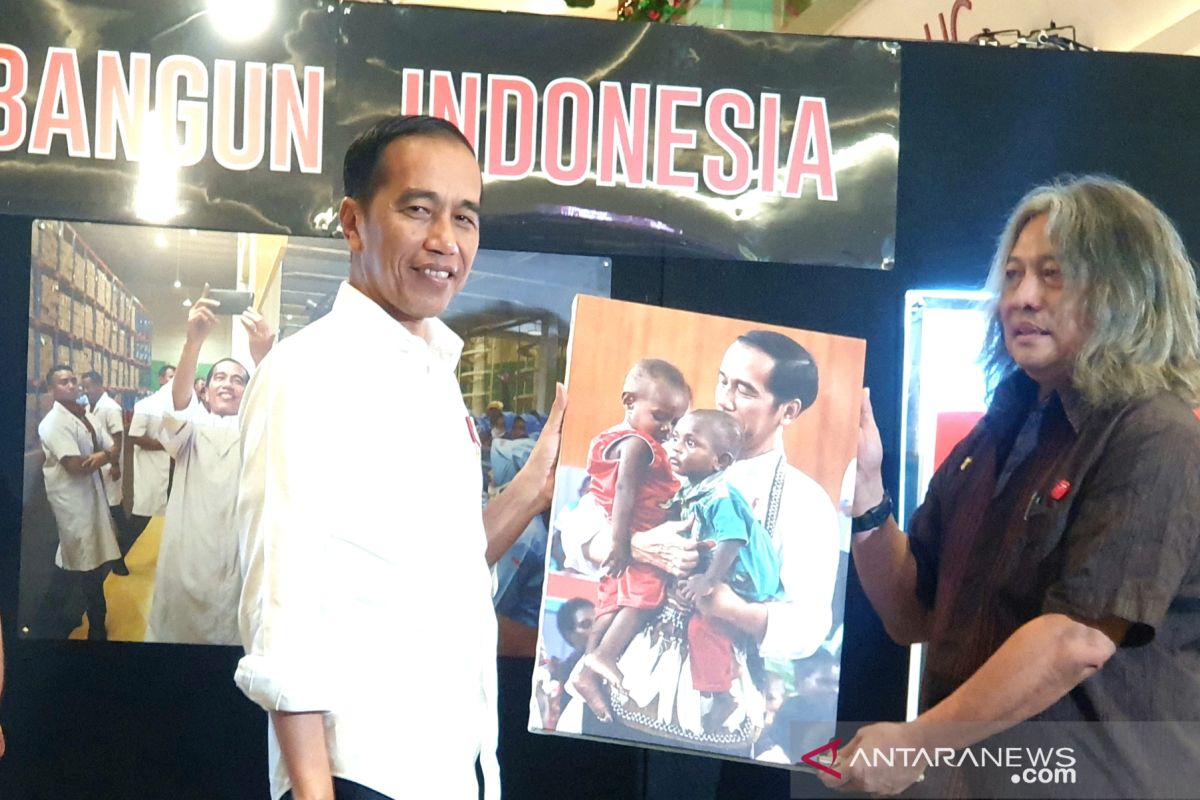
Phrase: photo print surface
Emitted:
{"points": [[695, 581], [127, 529]]}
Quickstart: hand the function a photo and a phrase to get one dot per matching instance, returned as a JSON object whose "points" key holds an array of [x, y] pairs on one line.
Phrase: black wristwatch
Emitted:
{"points": [[873, 518]]}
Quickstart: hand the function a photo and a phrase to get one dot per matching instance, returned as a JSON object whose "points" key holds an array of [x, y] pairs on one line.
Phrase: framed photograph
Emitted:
{"points": [[695, 580]]}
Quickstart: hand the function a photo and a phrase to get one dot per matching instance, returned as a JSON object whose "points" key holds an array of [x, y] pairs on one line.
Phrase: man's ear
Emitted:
{"points": [[350, 217], [724, 460], [627, 399], [791, 410]]}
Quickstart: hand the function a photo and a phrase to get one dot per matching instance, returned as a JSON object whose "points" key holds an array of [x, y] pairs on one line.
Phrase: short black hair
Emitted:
{"points": [[564, 620], [794, 376], [93, 376], [360, 168], [721, 429], [55, 369], [163, 369], [208, 378], [659, 371]]}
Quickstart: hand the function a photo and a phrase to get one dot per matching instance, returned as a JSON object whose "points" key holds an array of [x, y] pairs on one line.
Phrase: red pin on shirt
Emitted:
{"points": [[1060, 490]]}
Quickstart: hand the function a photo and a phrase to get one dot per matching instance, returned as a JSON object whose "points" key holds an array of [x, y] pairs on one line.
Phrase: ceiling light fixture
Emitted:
{"points": [[241, 20]]}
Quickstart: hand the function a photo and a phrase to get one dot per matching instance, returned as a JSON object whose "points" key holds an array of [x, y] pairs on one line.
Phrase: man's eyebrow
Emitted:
{"points": [[433, 197], [417, 194]]}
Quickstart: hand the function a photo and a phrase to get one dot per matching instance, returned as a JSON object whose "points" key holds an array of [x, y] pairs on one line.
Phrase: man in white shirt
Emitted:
{"points": [[107, 414], [767, 380], [86, 541], [366, 612], [151, 462], [197, 581]]}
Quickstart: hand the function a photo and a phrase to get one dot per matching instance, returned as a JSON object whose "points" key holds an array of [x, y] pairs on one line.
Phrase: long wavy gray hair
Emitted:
{"points": [[1126, 267]]}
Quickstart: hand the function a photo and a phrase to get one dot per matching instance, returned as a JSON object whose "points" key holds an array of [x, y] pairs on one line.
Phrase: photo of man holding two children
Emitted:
{"points": [[703, 463]]}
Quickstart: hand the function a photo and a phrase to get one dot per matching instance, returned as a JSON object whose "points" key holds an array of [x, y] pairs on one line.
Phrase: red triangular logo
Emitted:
{"points": [[832, 746]]}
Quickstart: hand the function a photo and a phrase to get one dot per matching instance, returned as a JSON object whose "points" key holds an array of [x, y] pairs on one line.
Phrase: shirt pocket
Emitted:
{"points": [[1045, 522]]}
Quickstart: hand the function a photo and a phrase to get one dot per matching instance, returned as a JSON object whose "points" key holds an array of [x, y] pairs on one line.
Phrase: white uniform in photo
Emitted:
{"points": [[85, 533], [197, 582], [151, 468], [108, 415]]}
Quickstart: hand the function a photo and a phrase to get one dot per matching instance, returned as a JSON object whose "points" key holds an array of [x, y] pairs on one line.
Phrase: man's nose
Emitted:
{"points": [[1028, 291], [440, 236]]}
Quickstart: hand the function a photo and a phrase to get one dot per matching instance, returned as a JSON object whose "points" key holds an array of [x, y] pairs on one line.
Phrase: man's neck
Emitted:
{"points": [[74, 408], [417, 327], [769, 443]]}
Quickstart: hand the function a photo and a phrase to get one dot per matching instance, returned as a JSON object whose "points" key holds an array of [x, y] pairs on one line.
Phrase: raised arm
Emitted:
{"points": [[885, 563], [259, 334], [530, 492], [200, 323]]}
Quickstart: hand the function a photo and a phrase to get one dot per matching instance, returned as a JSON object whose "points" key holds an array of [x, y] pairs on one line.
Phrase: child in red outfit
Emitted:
{"points": [[632, 481]]}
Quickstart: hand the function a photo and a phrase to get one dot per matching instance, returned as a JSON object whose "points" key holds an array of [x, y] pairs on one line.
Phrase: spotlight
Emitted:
{"points": [[241, 20]]}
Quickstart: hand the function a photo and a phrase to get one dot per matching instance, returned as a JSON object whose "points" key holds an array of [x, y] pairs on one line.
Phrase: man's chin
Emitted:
{"points": [[228, 408]]}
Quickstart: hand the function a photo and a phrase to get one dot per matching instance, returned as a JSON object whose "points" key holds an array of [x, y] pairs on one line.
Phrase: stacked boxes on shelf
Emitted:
{"points": [[82, 315]]}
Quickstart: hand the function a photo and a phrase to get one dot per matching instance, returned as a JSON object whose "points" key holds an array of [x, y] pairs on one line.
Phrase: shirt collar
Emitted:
{"points": [[1074, 406], [766, 460], [690, 492], [1017, 393], [443, 344]]}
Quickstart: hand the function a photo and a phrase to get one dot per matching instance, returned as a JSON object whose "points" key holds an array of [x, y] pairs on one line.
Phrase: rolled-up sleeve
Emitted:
{"points": [[280, 514], [1136, 524], [57, 439]]}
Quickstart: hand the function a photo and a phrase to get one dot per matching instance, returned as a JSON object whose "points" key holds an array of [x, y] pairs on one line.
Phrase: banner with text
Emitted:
{"points": [[593, 137]]}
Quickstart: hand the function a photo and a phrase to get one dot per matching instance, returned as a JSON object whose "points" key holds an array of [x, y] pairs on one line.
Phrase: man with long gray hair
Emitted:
{"points": [[1053, 567]]}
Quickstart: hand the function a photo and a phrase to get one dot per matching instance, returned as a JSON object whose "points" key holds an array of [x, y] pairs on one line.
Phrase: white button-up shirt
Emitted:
{"points": [[110, 417], [807, 537], [151, 468], [366, 591], [85, 533]]}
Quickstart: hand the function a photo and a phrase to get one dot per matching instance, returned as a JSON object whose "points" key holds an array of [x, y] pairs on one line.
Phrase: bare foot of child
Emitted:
{"points": [[587, 685], [605, 669], [722, 706]]}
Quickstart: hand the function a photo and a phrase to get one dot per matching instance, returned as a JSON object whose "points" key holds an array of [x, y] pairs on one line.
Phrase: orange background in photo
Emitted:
{"points": [[608, 336]]}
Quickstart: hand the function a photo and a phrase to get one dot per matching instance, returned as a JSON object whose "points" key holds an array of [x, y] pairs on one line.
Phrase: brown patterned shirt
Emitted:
{"points": [[1062, 508]]}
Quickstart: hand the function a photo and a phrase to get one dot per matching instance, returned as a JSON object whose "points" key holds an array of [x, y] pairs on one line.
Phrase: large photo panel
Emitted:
{"points": [[730, 440], [127, 529]]}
